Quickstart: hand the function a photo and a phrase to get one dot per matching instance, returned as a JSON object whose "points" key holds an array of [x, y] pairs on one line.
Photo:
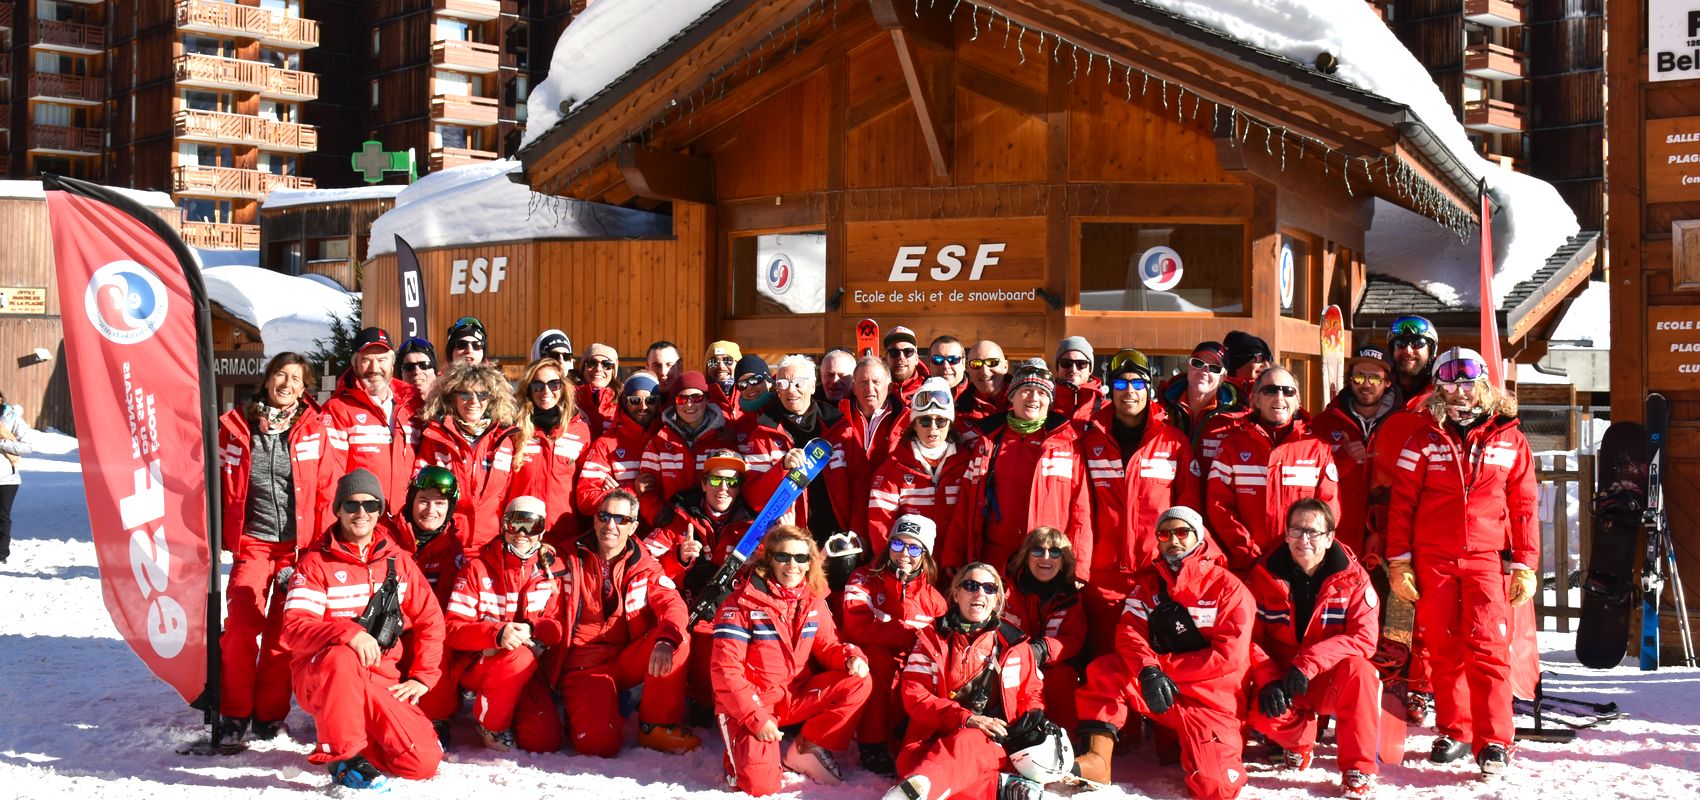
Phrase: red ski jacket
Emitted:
{"points": [[548, 469], [618, 454], [365, 438], [438, 560], [1207, 431], [944, 662], [1338, 426], [1344, 623], [601, 616], [882, 611], [331, 587], [600, 407], [1390, 438], [763, 442], [1128, 497], [762, 648], [972, 406], [689, 520], [902, 486], [862, 462], [1080, 403], [1474, 496], [1058, 620], [483, 469], [499, 587], [1220, 606], [989, 525], [1256, 478], [314, 468], [674, 461]]}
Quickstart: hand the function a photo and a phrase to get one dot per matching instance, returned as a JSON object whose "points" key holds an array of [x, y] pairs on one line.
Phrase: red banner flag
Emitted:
{"points": [[1490, 315], [134, 310]]}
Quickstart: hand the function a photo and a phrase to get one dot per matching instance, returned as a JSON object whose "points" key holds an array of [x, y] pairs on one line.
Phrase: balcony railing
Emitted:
{"points": [[217, 126], [70, 36], [474, 57], [199, 180], [65, 140], [289, 84], [68, 88], [455, 109], [1493, 116], [1494, 13], [1493, 62], [476, 10], [220, 236], [249, 22], [445, 157], [195, 69]]}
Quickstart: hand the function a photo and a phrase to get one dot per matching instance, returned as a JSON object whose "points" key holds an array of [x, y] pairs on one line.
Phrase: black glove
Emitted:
{"points": [[1041, 652], [1295, 683], [1157, 689], [1272, 700]]}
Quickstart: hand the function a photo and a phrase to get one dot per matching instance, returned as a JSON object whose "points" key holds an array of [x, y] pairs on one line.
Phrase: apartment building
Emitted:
{"points": [[56, 65]]}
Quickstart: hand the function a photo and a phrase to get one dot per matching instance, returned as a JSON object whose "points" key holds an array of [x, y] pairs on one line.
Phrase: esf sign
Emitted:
{"points": [[946, 261], [1673, 39], [477, 275]]}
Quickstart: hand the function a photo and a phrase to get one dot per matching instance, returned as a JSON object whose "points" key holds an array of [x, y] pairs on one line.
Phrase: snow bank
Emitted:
{"points": [[291, 312], [31, 190], [225, 258], [478, 204], [285, 198]]}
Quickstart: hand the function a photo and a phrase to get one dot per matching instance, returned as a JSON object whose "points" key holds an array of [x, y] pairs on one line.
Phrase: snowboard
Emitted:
{"points": [[1392, 659], [1609, 590], [1655, 534]]}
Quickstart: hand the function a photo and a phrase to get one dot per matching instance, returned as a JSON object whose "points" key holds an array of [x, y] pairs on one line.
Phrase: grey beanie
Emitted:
{"points": [[1185, 514], [357, 482], [1075, 343]]}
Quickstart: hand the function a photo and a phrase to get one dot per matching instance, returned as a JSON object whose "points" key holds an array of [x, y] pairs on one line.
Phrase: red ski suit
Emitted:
{"points": [[1334, 654], [548, 469], [689, 521], [674, 461], [351, 704], [1338, 426], [1206, 429], [763, 443], [973, 406], [483, 470], [957, 760], [903, 486], [1080, 403], [761, 664], [365, 438], [1253, 481], [494, 589], [1472, 498], [438, 560], [613, 624], [1040, 480], [617, 455], [1206, 713], [1059, 621], [882, 615], [600, 407], [255, 673]]}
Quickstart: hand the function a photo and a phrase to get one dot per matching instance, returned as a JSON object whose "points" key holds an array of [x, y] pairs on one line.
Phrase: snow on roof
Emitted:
{"points": [[31, 190], [478, 204], [291, 312], [1588, 319], [285, 198]]}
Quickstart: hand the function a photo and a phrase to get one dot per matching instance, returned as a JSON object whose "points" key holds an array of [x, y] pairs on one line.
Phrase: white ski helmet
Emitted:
{"points": [[1047, 761]]}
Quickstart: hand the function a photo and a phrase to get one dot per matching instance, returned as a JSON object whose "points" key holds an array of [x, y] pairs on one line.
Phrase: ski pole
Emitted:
{"points": [[1684, 629]]}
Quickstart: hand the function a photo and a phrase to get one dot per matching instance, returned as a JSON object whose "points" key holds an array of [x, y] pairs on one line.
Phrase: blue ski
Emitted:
{"points": [[815, 455], [1654, 529]]}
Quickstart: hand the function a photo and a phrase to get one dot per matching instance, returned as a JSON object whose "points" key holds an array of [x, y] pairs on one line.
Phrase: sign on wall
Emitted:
{"points": [[1673, 347], [23, 300], [958, 266], [1673, 40], [1673, 159]]}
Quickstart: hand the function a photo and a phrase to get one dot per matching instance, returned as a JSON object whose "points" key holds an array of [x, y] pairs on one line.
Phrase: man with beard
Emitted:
{"points": [[372, 418], [988, 376], [613, 460], [903, 361], [718, 364], [1079, 393], [1348, 426]]}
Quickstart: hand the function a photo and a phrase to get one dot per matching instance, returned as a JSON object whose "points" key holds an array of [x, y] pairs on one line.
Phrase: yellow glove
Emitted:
{"points": [[1522, 586], [1404, 581]]}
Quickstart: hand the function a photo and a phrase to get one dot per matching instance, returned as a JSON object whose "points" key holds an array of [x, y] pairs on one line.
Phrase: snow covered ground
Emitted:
{"points": [[81, 717]]}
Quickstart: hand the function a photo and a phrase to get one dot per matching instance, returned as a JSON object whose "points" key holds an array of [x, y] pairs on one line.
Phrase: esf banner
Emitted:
{"points": [[134, 373]]}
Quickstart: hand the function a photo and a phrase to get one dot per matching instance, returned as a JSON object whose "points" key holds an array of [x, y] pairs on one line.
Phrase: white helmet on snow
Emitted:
{"points": [[1047, 761]]}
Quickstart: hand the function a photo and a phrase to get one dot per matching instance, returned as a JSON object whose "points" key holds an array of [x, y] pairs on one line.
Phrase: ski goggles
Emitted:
{"points": [[435, 477], [930, 401], [1411, 331], [913, 550], [1460, 370], [523, 523], [1124, 384]]}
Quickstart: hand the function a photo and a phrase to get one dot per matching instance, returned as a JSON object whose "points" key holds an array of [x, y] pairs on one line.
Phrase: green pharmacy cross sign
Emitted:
{"points": [[372, 162]]}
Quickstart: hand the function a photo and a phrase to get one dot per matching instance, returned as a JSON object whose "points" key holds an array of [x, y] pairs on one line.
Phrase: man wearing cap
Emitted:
{"points": [[416, 363], [1201, 403], [365, 712], [988, 377], [688, 430], [553, 343], [903, 361], [1465, 492], [1348, 426], [1268, 460], [775, 435], [613, 460], [466, 341], [1026, 471], [598, 392], [1182, 650], [1140, 466], [372, 419], [1248, 357], [946, 359], [1079, 393], [719, 368], [837, 375]]}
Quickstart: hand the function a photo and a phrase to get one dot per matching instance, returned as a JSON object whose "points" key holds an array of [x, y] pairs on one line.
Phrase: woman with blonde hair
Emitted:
{"points": [[552, 436], [470, 432], [1044, 602], [765, 636]]}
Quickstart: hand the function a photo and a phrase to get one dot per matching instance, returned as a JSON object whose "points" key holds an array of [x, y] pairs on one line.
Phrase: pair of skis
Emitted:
{"points": [[1659, 564]]}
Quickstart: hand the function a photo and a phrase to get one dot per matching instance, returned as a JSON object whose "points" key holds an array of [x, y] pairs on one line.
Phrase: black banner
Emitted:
{"points": [[412, 290]]}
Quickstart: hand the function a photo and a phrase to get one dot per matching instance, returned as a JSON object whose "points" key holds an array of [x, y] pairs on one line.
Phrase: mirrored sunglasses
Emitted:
{"points": [[952, 360], [988, 363], [1124, 384], [1199, 363]]}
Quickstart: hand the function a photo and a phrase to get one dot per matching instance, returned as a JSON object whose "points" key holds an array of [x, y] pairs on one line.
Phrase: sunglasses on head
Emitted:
{"points": [[598, 363], [1124, 384], [1270, 390], [415, 366], [782, 557], [1046, 552], [901, 352], [1460, 370], [729, 481], [751, 380], [981, 587], [952, 360], [467, 397], [989, 363], [1073, 363], [930, 421], [352, 507], [523, 523], [689, 399], [617, 519], [552, 385], [900, 547], [1174, 534], [1199, 363], [1366, 379]]}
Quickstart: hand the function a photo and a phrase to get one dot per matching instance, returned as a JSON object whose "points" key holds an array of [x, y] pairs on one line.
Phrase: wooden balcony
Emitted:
{"points": [[445, 157], [213, 72], [68, 37], [454, 109], [70, 141], [1493, 62], [267, 134], [1493, 116], [247, 22], [475, 10], [201, 181], [78, 89], [289, 84], [474, 57], [1494, 13], [220, 236]]}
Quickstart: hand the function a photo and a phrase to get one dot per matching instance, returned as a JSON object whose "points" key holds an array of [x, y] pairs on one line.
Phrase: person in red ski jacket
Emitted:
{"points": [[1181, 658], [767, 636], [925, 472], [503, 611], [1269, 460], [553, 438], [364, 709], [968, 681], [774, 436], [613, 460], [719, 367], [372, 417], [687, 433], [1140, 466], [1027, 471], [984, 393], [471, 433], [597, 395], [1467, 483], [1317, 627], [885, 604], [903, 364], [1079, 393], [279, 474], [425, 528], [1045, 602], [625, 626], [1202, 403], [1348, 426]]}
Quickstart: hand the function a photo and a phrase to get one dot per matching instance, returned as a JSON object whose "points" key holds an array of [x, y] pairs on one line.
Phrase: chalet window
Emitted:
{"points": [[282, 59], [457, 136], [208, 45], [278, 163], [206, 155], [332, 249], [203, 209], [288, 8], [280, 111], [60, 64], [62, 116], [454, 30], [777, 274], [452, 83], [1133, 266], [197, 100], [1305, 253]]}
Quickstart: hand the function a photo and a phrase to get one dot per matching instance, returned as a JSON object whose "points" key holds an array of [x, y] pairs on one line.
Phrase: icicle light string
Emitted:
{"points": [[1397, 175]]}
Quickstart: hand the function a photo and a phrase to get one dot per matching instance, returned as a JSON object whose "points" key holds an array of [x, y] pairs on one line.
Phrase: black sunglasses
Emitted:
{"points": [[1046, 552], [932, 422], [1270, 390], [1075, 363], [598, 363], [551, 385], [901, 352], [983, 587], [634, 400], [617, 519], [782, 557], [415, 366], [352, 507]]}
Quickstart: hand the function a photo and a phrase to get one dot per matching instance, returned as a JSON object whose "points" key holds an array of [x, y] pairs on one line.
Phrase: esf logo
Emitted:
{"points": [[126, 302], [779, 274]]}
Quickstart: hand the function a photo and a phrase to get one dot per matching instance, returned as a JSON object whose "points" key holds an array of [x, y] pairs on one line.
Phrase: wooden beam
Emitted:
{"points": [[995, 87], [939, 145], [663, 175], [934, 28]]}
